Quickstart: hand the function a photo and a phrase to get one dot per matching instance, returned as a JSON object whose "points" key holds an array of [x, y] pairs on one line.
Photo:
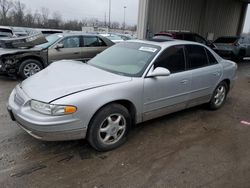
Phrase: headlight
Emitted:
{"points": [[52, 109]]}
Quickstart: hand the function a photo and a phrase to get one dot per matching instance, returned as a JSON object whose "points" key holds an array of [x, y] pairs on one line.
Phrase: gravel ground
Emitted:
{"points": [[192, 148]]}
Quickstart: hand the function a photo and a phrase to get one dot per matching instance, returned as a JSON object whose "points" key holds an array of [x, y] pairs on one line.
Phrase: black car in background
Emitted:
{"points": [[181, 35]]}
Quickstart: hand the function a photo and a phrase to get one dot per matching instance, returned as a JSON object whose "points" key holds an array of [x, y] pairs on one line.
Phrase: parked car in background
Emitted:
{"points": [[128, 83], [182, 35], [125, 36], [234, 47], [19, 32], [47, 32], [6, 32], [114, 38], [26, 60]]}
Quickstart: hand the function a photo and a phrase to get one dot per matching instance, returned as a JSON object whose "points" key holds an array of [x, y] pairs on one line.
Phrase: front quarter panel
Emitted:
{"points": [[90, 101]]}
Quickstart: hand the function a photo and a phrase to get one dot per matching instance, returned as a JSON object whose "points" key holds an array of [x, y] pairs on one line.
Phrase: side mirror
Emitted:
{"points": [[159, 71], [58, 46]]}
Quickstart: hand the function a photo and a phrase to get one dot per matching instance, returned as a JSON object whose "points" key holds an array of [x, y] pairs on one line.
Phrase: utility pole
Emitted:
{"points": [[124, 26], [105, 20], [109, 15]]}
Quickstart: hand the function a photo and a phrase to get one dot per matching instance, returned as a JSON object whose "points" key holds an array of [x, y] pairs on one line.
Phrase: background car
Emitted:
{"points": [[28, 61], [183, 35], [19, 32], [6, 32], [114, 38], [128, 83], [234, 47]]}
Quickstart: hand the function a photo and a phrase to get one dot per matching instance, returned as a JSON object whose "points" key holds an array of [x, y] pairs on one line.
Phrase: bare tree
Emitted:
{"points": [[18, 13], [29, 19], [45, 16], [5, 7]]}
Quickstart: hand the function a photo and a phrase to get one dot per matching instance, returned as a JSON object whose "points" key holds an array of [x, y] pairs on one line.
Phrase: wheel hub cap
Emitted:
{"points": [[112, 129]]}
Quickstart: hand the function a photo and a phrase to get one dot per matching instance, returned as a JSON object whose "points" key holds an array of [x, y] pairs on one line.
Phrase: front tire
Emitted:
{"points": [[219, 96], [29, 67], [109, 127]]}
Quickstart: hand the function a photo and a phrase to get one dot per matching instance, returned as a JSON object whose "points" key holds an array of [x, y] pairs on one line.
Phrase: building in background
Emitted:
{"points": [[209, 18]]}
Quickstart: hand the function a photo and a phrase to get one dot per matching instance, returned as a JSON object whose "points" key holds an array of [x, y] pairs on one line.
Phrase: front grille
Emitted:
{"points": [[18, 99]]}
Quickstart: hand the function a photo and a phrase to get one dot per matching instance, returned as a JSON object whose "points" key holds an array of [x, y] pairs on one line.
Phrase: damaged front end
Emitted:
{"points": [[23, 42], [14, 50]]}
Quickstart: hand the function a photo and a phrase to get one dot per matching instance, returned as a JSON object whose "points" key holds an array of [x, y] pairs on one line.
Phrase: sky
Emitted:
{"points": [[80, 9]]}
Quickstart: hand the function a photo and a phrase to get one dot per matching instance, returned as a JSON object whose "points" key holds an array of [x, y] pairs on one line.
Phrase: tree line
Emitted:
{"points": [[15, 13]]}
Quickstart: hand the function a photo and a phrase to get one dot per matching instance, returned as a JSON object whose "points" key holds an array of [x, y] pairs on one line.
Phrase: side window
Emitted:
{"points": [[189, 37], [196, 56], [71, 42], [172, 59], [242, 40], [211, 58], [93, 42], [199, 39]]}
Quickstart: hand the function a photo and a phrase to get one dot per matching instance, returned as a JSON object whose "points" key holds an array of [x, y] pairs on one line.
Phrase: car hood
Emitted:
{"points": [[6, 51], [65, 77]]}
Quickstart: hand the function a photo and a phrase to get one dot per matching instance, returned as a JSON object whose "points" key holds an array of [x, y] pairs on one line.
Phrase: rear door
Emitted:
{"points": [[206, 73], [163, 95], [71, 49], [92, 45]]}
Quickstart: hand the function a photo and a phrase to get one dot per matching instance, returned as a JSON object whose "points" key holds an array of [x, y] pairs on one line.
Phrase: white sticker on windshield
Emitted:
{"points": [[148, 49]]}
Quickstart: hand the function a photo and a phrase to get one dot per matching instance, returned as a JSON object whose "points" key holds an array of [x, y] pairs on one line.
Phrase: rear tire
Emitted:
{"points": [[219, 96], [29, 67], [109, 127]]}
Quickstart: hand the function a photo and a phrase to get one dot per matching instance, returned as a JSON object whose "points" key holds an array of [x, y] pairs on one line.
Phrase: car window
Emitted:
{"points": [[172, 59], [196, 56], [93, 42], [226, 40], [189, 37], [211, 58], [199, 39], [71, 42]]}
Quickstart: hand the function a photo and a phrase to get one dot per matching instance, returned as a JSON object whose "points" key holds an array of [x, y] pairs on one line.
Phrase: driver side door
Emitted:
{"points": [[71, 49], [167, 94]]}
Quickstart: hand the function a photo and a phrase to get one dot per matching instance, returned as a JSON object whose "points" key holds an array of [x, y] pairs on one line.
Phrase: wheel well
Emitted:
{"points": [[32, 57], [227, 81], [127, 104]]}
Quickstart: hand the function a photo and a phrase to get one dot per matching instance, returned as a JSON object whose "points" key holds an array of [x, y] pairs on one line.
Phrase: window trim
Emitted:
{"points": [[210, 64]]}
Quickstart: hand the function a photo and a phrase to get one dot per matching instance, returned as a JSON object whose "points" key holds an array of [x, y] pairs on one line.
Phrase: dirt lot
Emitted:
{"points": [[192, 148]]}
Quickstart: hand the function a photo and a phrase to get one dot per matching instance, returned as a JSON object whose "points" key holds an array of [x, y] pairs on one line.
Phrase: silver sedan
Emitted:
{"points": [[127, 84]]}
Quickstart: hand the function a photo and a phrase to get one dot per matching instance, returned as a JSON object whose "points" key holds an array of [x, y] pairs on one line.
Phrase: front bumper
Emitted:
{"points": [[43, 127]]}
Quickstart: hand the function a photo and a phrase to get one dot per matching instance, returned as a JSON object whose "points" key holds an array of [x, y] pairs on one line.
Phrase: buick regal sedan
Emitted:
{"points": [[127, 84]]}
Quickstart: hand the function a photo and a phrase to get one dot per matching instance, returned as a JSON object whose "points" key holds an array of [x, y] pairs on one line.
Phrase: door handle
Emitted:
{"points": [[76, 52], [184, 81]]}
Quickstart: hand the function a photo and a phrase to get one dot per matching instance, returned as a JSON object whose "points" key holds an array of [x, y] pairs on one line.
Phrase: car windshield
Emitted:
{"points": [[226, 40], [127, 59], [51, 40]]}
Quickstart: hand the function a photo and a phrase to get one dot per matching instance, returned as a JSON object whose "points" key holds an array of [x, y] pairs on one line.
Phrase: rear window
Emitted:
{"points": [[197, 56], [226, 40]]}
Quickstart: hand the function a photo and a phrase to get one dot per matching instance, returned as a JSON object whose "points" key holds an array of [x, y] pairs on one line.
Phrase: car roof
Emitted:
{"points": [[166, 44], [75, 34]]}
